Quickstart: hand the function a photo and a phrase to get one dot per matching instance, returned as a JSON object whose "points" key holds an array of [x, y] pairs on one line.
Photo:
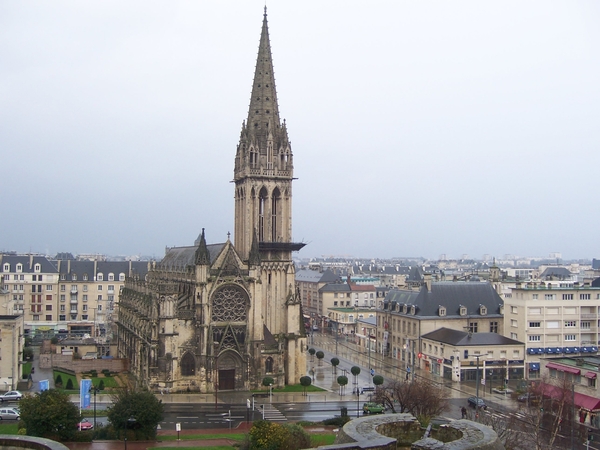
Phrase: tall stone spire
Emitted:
{"points": [[263, 170]]}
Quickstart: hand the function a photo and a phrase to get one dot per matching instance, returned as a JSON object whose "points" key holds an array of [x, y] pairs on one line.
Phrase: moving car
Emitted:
{"points": [[473, 401], [373, 408], [11, 396], [9, 413], [85, 425]]}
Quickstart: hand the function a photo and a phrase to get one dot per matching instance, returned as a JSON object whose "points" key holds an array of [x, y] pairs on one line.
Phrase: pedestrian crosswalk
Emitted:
{"points": [[270, 413]]}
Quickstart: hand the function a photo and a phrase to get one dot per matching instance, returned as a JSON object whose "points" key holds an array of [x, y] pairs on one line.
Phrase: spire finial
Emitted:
{"points": [[265, 9]]}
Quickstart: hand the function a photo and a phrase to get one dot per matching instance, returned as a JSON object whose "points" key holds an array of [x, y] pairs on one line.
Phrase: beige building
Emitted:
{"points": [[408, 314], [224, 316], [553, 321], [457, 354], [309, 282], [11, 348]]}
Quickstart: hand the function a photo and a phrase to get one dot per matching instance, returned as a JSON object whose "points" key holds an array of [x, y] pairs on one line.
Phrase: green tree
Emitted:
{"points": [[27, 354], [377, 380], [320, 356], [334, 363], [312, 352], [136, 412], [268, 381], [69, 385], [305, 382], [49, 414], [342, 381]]}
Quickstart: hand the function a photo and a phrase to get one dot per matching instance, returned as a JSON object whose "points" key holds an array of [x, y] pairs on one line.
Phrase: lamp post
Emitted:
{"points": [[477, 389], [131, 420], [216, 349], [95, 390]]}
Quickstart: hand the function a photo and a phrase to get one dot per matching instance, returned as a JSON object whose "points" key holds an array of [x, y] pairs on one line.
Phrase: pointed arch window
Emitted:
{"points": [[269, 365], [262, 203], [275, 214], [188, 365]]}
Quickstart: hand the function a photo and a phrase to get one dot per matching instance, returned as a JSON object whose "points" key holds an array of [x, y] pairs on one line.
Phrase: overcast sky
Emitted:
{"points": [[418, 127]]}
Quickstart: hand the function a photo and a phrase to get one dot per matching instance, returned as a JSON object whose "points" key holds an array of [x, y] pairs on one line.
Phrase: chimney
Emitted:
{"points": [[427, 280]]}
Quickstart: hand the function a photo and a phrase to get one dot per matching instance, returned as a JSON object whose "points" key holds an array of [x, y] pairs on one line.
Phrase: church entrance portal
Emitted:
{"points": [[227, 379]]}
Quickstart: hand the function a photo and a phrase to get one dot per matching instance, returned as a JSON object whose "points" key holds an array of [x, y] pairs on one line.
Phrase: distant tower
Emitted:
{"points": [[264, 167]]}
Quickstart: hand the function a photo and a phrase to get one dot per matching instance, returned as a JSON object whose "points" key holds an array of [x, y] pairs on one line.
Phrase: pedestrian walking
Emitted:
{"points": [[463, 411]]}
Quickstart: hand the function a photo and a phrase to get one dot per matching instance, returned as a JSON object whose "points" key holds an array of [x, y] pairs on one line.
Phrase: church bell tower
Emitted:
{"points": [[264, 169]]}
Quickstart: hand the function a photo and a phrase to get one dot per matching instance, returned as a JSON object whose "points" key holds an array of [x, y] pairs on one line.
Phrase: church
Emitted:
{"points": [[211, 317]]}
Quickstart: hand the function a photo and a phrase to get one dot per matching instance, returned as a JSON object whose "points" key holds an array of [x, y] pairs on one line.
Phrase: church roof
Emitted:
{"points": [[181, 257]]}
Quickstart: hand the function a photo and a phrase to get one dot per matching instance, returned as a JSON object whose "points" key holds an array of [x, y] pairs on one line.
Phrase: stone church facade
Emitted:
{"points": [[224, 316]]}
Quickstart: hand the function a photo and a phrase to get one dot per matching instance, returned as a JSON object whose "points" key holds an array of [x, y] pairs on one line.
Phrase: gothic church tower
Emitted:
{"points": [[264, 166]]}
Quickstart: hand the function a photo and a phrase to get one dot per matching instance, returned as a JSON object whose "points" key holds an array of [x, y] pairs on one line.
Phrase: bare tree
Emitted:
{"points": [[421, 398]]}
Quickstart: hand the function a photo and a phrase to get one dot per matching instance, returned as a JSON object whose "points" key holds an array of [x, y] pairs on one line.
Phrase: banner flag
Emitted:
{"points": [[84, 393]]}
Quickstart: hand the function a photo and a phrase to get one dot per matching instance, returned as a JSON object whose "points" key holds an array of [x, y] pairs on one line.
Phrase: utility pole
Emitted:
{"points": [[477, 389]]}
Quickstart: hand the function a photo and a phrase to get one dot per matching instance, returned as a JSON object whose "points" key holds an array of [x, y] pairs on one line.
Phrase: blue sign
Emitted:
{"points": [[44, 385], [84, 393]]}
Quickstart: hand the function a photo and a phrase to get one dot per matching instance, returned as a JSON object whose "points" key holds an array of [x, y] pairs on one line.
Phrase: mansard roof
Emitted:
{"points": [[91, 268], [450, 295], [463, 338], [28, 263], [556, 272]]}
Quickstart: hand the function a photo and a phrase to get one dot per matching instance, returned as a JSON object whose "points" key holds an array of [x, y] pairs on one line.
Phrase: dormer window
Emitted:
{"points": [[85, 277], [121, 276], [19, 267], [442, 311], [111, 277], [405, 309], [6, 268], [413, 310], [463, 310], [74, 277], [482, 310], [100, 277], [37, 268], [63, 276]]}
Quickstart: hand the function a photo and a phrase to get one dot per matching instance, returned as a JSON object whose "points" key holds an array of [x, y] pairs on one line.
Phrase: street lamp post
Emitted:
{"points": [[477, 388], [131, 420], [216, 349]]}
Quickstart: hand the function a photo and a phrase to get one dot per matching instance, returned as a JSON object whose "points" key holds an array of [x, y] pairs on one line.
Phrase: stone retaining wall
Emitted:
{"points": [[387, 431]]}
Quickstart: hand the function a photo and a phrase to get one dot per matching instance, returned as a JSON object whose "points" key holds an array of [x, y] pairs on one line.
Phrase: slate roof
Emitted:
{"points": [[450, 294], [462, 338], [81, 268], [314, 276], [595, 264], [335, 287], [181, 257], [46, 265], [556, 272]]}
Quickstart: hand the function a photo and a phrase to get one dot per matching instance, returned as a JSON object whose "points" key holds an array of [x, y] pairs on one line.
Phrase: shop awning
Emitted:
{"points": [[562, 368], [590, 375], [581, 400], [534, 366]]}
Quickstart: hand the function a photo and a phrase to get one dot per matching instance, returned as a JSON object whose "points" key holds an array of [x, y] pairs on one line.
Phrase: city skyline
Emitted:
{"points": [[417, 129]]}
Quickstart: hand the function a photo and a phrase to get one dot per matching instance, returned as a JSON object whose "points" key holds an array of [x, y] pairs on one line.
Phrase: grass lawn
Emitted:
{"points": [[9, 427], [108, 381]]}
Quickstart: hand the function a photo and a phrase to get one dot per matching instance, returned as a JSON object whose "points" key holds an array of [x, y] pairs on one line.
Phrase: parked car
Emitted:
{"points": [[528, 397], [11, 396], [474, 401], [373, 408], [9, 413], [85, 425]]}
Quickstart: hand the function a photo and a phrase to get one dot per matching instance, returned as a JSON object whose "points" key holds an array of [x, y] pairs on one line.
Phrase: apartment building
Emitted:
{"points": [[64, 296], [11, 347], [553, 321], [32, 285], [309, 282], [458, 354], [408, 314]]}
